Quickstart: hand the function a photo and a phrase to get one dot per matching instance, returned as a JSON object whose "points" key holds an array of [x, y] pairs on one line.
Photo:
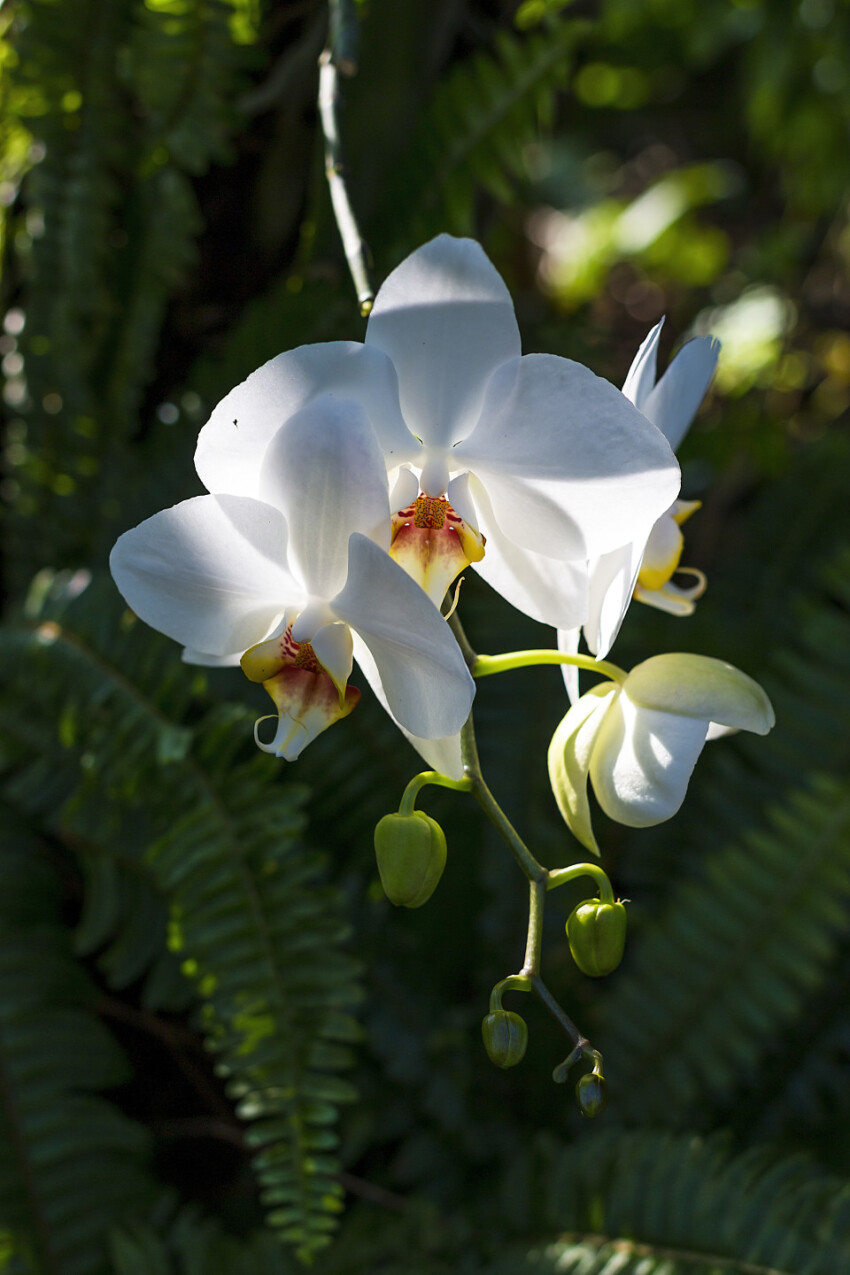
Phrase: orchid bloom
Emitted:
{"points": [[542, 463], [525, 466], [644, 566], [638, 739], [285, 565]]}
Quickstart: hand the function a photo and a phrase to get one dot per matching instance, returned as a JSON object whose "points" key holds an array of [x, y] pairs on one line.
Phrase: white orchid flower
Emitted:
{"points": [[638, 739], [549, 463], [285, 562], [644, 567]]}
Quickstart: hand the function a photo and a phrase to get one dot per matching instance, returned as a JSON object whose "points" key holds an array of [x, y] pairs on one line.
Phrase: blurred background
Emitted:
{"points": [[213, 1027]]}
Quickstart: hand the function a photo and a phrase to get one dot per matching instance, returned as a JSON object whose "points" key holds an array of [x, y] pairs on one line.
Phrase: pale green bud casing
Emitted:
{"points": [[411, 854], [597, 936]]}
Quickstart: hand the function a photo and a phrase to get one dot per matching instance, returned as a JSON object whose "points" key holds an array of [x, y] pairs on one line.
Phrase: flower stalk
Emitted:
{"points": [[340, 58], [540, 879]]}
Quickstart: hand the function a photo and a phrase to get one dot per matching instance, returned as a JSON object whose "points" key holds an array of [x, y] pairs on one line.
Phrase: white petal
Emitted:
{"points": [[443, 755], [232, 443], [699, 687], [334, 651], [568, 642], [642, 761], [671, 598], [446, 320], [719, 732], [325, 470], [571, 466], [404, 488], [611, 585], [462, 501], [662, 553], [674, 402], [548, 590], [210, 573], [427, 684], [569, 759], [188, 656], [641, 375]]}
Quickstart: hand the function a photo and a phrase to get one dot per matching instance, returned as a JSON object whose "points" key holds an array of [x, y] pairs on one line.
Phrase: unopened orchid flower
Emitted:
{"points": [[644, 566], [638, 738], [285, 564]]}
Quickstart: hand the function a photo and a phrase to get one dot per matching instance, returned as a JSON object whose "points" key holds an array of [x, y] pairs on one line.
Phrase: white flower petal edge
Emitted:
{"points": [[427, 685], [232, 445], [444, 754], [569, 464], [570, 754], [701, 687], [208, 572], [446, 320], [671, 405]]}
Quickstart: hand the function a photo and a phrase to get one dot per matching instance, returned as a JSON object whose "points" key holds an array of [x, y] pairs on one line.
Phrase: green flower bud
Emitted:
{"points": [[592, 1094], [597, 935], [411, 853], [505, 1037]]}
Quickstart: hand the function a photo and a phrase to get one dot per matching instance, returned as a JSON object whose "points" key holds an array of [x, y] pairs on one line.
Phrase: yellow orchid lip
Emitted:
{"points": [[307, 697], [434, 544], [664, 549]]}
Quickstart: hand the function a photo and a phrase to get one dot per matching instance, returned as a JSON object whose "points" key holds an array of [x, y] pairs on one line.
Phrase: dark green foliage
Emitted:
{"points": [[159, 876], [70, 1164], [123, 100], [475, 132], [191, 833]]}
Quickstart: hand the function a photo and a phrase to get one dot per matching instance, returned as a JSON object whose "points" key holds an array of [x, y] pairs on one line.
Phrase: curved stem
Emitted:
{"points": [[485, 665], [407, 805], [560, 876]]}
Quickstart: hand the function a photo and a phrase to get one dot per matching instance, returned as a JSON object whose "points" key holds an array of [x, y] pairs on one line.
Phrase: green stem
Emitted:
{"points": [[540, 879], [534, 938], [533, 870], [341, 57], [407, 805], [485, 665], [513, 983], [560, 876]]}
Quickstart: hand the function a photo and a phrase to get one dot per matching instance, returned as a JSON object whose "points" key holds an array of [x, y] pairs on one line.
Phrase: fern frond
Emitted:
{"points": [[71, 1165], [733, 960], [678, 1204], [253, 924], [474, 133]]}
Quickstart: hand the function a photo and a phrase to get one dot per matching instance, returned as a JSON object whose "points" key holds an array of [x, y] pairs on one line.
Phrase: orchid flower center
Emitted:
{"points": [[433, 544], [308, 698]]}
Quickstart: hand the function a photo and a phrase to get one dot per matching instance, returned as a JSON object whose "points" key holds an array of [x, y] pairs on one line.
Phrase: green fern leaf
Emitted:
{"points": [[71, 1165], [474, 133]]}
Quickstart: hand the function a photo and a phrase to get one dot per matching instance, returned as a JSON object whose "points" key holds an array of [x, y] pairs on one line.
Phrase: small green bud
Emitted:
{"points": [[592, 1094], [411, 854], [505, 1037], [597, 935]]}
